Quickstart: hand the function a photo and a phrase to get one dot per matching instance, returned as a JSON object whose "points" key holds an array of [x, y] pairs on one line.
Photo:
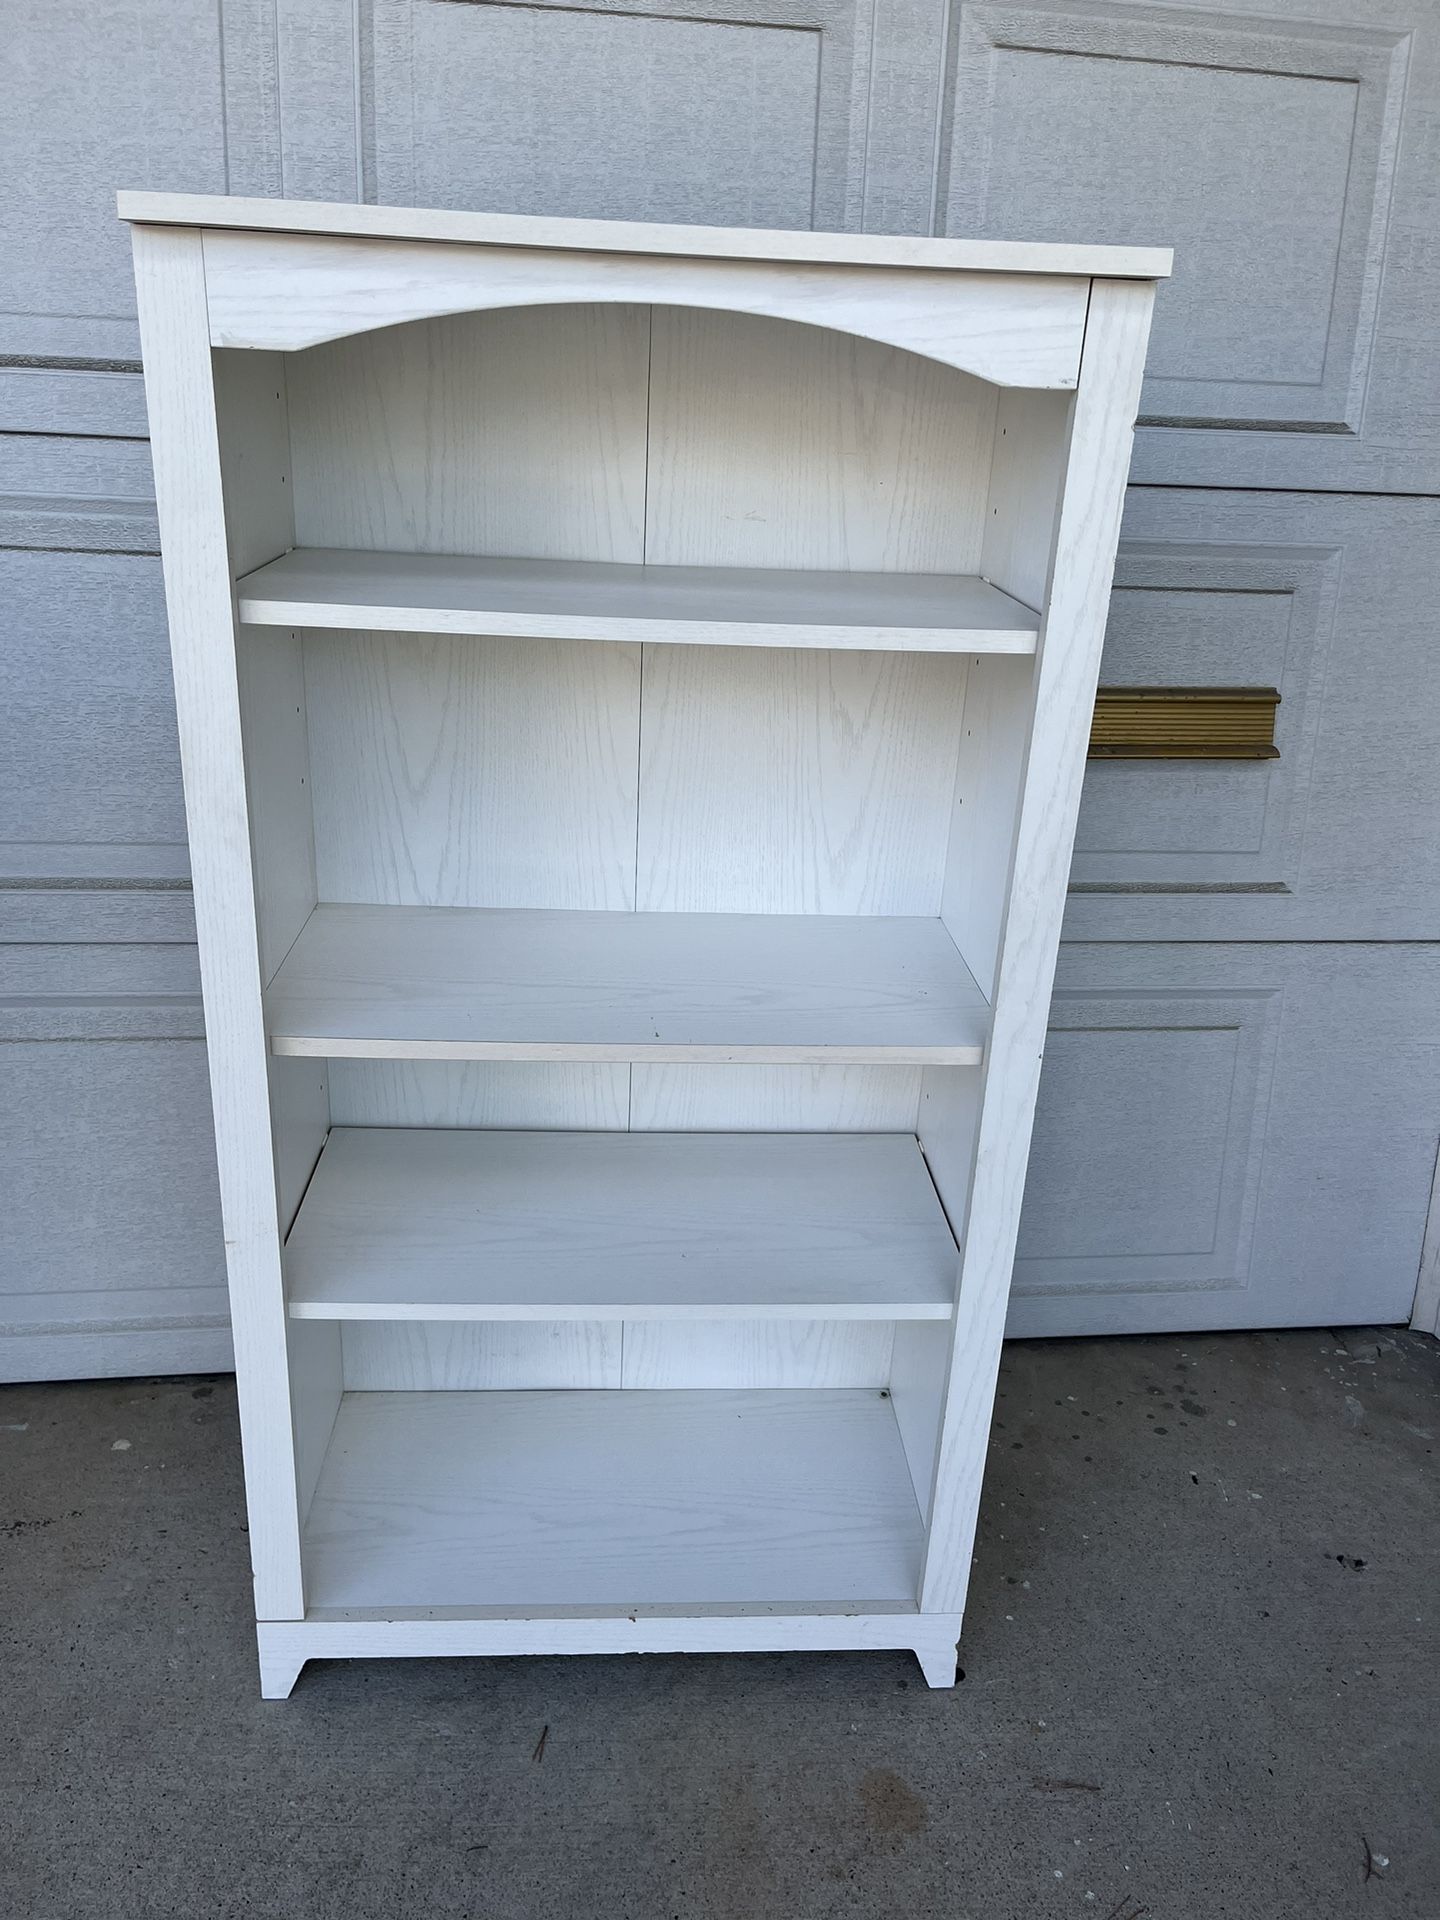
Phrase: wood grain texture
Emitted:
{"points": [[254, 439], [813, 1355], [437, 1224], [254, 433], [919, 1377], [535, 1499], [484, 1093], [499, 433], [316, 1382], [484, 773], [1067, 668], [633, 236], [481, 1356], [170, 284], [1031, 431], [999, 706], [418, 982], [792, 782], [279, 791], [299, 1122], [290, 292], [359, 1634], [776, 1099], [775, 445], [696, 606]]}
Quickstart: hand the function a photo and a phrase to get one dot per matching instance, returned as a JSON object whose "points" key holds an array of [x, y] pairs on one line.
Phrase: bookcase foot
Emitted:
{"points": [[939, 1664], [279, 1670]]}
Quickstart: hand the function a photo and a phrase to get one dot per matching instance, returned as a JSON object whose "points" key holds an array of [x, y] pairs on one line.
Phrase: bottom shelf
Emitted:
{"points": [[624, 1499]]}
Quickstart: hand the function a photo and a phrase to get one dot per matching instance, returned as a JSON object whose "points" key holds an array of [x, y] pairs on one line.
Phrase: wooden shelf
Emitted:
{"points": [[434, 983], [421, 1224], [696, 606], [622, 1498]]}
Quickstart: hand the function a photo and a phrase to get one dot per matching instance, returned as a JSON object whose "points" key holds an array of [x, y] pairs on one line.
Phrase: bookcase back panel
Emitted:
{"points": [[851, 1099], [519, 432], [642, 1098], [478, 1093], [673, 435], [778, 445], [777, 780], [488, 1355], [472, 772]]}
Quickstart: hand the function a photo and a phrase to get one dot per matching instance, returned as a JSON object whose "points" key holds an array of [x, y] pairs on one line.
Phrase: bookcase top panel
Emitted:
{"points": [[630, 236]]}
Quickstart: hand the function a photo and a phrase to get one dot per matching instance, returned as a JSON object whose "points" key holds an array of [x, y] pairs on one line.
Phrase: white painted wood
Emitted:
{"points": [[919, 1374], [421, 1224], [278, 788], [807, 1354], [519, 432], [683, 606], [832, 830], [789, 782], [299, 1122], [170, 287], [999, 703], [1066, 669], [439, 1356], [775, 445], [1027, 467], [285, 1646], [609, 1499], [254, 441], [254, 436], [418, 983], [484, 773], [778, 1099], [493, 1093], [940, 1662], [316, 1379], [634, 236], [948, 1123], [288, 292], [279, 1666]]}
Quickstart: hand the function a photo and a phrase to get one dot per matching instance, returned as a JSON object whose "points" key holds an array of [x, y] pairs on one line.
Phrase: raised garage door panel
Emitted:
{"points": [[757, 113], [1291, 165], [1331, 599], [111, 1259], [89, 768], [1231, 1137]]}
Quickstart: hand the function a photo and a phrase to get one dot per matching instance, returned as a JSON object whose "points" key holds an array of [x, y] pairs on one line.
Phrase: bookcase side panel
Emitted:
{"points": [[170, 282], [1067, 668]]}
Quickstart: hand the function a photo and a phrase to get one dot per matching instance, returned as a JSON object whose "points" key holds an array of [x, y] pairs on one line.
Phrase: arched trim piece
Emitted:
{"points": [[287, 292]]}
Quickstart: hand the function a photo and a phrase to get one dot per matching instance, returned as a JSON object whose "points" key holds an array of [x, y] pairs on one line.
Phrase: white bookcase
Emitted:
{"points": [[633, 689]]}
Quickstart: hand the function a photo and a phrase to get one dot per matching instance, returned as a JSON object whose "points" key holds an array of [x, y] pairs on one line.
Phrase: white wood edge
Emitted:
{"points": [[180, 397], [1081, 571], [286, 1645], [625, 236], [697, 633], [549, 1310], [313, 1047]]}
